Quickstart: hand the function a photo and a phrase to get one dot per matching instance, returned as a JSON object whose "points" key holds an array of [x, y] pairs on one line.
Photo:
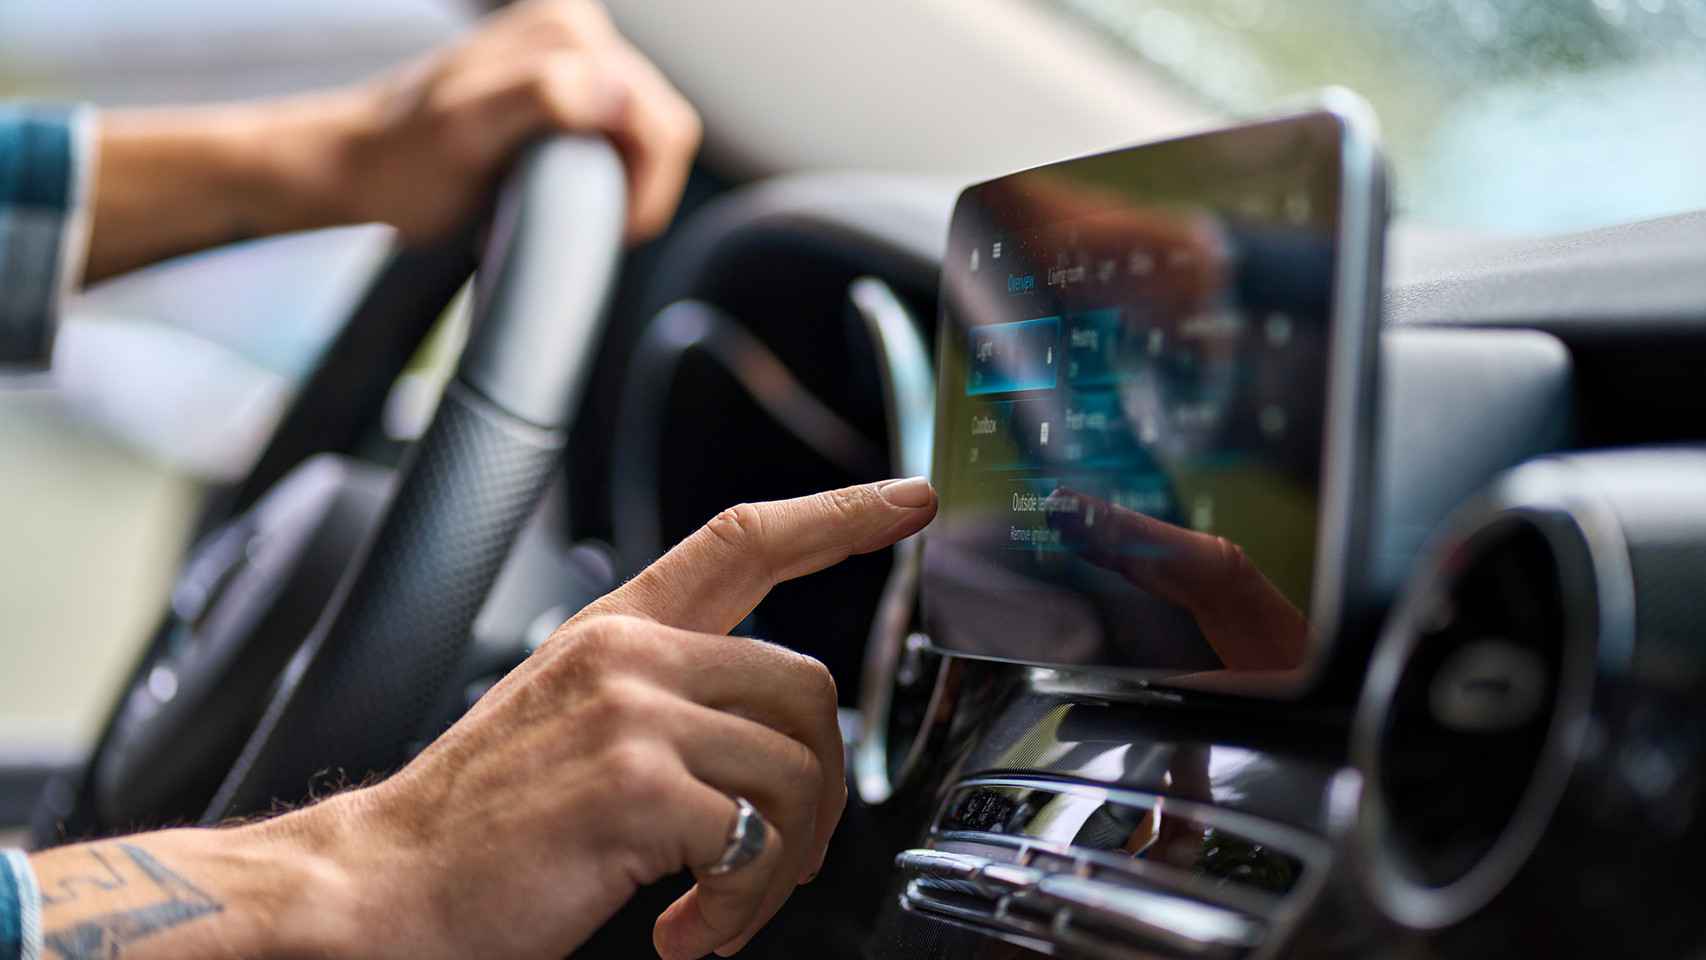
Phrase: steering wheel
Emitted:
{"points": [[230, 716]]}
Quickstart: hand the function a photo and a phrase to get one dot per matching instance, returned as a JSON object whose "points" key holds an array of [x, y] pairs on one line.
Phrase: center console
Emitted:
{"points": [[1156, 396], [1251, 628]]}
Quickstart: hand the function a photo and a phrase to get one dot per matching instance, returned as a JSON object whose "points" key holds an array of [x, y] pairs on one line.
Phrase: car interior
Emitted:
{"points": [[1311, 579]]}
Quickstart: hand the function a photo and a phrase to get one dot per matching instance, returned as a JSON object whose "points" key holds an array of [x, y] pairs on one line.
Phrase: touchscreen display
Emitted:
{"points": [[1133, 368]]}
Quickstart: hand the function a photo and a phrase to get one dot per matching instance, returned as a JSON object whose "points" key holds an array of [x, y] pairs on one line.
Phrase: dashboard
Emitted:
{"points": [[1503, 727]]}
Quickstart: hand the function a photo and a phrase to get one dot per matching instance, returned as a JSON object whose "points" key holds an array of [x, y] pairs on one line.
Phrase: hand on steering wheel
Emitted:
{"points": [[421, 147], [427, 140], [611, 757]]}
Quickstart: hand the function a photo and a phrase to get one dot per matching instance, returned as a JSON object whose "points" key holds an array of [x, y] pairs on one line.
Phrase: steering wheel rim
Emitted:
{"points": [[365, 685], [373, 674]]}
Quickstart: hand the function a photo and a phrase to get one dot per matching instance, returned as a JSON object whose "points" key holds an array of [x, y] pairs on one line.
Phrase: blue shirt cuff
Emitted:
{"points": [[20, 908], [46, 169]]}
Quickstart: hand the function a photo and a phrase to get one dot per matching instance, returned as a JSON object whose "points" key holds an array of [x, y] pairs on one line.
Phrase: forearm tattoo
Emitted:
{"points": [[171, 901]]}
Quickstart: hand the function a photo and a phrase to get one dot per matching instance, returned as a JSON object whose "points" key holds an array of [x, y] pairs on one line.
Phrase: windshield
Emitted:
{"points": [[1511, 115]]}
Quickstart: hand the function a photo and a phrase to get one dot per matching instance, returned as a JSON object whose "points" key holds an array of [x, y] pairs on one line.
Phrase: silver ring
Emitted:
{"points": [[745, 843]]}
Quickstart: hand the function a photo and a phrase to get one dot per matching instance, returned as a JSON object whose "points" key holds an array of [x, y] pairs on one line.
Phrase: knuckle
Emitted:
{"points": [[740, 527], [553, 26], [724, 924], [589, 641], [569, 660], [442, 110], [617, 706], [775, 845], [820, 684], [1232, 556], [608, 645], [638, 774], [564, 14], [805, 770], [575, 20], [550, 76], [685, 130], [607, 639], [590, 17], [847, 502], [841, 800], [542, 81]]}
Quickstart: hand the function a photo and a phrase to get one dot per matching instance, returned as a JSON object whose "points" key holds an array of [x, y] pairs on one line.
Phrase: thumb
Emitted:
{"points": [[714, 578]]}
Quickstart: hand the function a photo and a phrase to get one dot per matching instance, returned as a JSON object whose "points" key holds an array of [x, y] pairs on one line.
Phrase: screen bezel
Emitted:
{"points": [[1339, 587]]}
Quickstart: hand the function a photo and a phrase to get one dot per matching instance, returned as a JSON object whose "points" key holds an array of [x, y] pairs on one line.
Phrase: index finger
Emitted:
{"points": [[710, 581]]}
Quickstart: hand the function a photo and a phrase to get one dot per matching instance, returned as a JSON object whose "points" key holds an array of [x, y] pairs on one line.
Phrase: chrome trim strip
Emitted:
{"points": [[998, 924], [940, 863], [1310, 849], [992, 878], [1010, 878], [1183, 924]]}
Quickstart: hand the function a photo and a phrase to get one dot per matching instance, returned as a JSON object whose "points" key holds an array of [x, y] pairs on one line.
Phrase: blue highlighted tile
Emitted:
{"points": [[1013, 357]]}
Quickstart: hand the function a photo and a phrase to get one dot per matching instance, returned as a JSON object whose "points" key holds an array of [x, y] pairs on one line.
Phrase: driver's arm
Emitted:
{"points": [[416, 148], [85, 194], [604, 762]]}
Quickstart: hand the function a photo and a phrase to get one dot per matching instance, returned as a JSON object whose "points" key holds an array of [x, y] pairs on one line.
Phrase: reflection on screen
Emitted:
{"points": [[1134, 384]]}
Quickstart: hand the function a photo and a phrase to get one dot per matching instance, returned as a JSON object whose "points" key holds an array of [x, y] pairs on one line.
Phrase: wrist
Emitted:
{"points": [[293, 159], [272, 889], [172, 180], [308, 864]]}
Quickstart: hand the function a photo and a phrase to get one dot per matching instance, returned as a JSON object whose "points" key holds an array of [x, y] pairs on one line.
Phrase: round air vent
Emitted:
{"points": [[1477, 701], [1529, 736]]}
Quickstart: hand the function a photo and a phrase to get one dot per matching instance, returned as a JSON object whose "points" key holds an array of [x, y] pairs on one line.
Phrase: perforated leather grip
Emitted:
{"points": [[369, 679]]}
